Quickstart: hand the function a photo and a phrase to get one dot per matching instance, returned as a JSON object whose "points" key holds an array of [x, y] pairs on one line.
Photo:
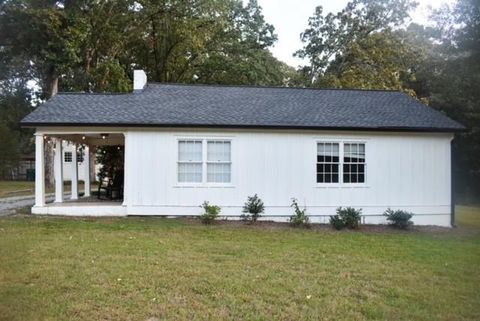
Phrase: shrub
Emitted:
{"points": [[210, 212], [399, 219], [336, 222], [253, 208], [299, 218], [346, 217]]}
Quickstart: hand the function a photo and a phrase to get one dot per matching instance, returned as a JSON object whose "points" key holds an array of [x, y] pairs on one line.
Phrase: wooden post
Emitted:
{"points": [[58, 169], [39, 170], [86, 160], [74, 191]]}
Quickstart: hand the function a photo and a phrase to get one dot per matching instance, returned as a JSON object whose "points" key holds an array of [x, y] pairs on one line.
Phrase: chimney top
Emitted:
{"points": [[139, 80]]}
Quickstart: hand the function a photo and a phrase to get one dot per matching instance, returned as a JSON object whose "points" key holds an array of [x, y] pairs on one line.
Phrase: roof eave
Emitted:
{"points": [[280, 127]]}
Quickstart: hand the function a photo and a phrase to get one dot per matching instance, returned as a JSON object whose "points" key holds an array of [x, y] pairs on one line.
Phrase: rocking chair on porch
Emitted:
{"points": [[113, 187]]}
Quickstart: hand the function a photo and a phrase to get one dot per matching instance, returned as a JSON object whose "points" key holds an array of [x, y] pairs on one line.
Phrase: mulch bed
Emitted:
{"points": [[364, 228]]}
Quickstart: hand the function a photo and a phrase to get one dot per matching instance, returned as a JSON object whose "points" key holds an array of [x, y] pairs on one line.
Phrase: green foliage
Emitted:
{"points": [[342, 47], [210, 213], [14, 141], [112, 160], [453, 88], [299, 217], [346, 217], [336, 222], [399, 219], [252, 208], [93, 46]]}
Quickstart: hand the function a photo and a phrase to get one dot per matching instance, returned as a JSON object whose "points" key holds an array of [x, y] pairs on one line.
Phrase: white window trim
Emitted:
{"points": [[340, 183], [204, 183]]}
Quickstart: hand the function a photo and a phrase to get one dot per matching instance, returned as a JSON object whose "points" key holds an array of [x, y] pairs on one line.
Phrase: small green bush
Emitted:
{"points": [[299, 218], [350, 216], [336, 222], [210, 212], [252, 209], [346, 217], [398, 219]]}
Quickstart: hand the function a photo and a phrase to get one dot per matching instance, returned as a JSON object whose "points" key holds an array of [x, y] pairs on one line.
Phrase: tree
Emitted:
{"points": [[93, 46], [343, 48], [14, 141], [454, 88], [382, 60]]}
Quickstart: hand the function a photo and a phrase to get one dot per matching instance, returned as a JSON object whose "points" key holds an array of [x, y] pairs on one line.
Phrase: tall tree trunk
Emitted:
{"points": [[155, 50], [52, 89]]}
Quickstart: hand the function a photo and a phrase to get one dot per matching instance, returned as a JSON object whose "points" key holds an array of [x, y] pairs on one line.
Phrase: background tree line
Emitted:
{"points": [[93, 46]]}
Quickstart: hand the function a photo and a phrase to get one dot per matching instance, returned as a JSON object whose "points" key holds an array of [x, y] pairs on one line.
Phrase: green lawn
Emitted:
{"points": [[16, 188], [138, 268], [20, 188]]}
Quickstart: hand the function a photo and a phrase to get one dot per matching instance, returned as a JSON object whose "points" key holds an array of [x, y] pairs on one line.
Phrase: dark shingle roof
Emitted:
{"points": [[230, 106]]}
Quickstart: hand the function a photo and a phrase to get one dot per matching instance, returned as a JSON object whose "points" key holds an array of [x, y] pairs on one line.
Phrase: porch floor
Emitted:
{"points": [[92, 199], [83, 206]]}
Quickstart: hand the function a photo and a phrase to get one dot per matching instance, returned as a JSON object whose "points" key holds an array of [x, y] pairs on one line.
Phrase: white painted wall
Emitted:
{"points": [[408, 171]]}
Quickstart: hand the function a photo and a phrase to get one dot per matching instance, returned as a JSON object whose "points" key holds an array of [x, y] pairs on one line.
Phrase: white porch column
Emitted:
{"points": [[86, 163], [74, 194], [58, 170], [39, 170], [126, 170]]}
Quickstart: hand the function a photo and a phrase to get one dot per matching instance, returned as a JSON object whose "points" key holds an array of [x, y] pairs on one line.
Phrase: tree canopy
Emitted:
{"points": [[93, 45]]}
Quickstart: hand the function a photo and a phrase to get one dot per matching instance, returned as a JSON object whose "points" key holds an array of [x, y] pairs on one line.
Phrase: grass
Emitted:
{"points": [[139, 268], [468, 217], [21, 188], [15, 188]]}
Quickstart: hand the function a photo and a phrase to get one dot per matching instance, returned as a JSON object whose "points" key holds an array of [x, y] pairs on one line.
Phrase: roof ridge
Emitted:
{"points": [[83, 93], [271, 87]]}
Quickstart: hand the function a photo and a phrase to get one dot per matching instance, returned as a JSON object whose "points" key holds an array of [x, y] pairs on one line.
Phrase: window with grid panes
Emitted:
{"points": [[67, 157], [190, 161], [218, 162], [328, 162], [354, 163]]}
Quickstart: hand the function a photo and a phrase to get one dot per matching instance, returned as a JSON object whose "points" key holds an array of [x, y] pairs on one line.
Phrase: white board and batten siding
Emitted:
{"points": [[409, 171]]}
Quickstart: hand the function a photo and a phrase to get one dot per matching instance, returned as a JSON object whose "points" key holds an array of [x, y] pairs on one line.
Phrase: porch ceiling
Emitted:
{"points": [[103, 139]]}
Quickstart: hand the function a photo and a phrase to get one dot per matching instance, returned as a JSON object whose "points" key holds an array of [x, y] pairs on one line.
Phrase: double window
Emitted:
{"points": [[340, 162], [67, 157], [197, 157]]}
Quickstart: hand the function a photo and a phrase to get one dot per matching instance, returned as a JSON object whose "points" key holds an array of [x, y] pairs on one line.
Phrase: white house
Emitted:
{"points": [[185, 144]]}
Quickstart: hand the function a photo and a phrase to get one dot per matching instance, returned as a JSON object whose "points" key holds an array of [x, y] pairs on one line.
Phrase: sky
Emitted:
{"points": [[290, 18]]}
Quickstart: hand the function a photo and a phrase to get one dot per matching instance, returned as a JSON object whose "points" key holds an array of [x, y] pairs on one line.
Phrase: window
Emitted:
{"points": [[353, 163], [190, 161], [331, 168], [67, 157], [218, 162], [196, 157], [328, 162]]}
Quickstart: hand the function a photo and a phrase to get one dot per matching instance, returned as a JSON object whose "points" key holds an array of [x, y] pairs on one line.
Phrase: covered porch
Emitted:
{"points": [[83, 146]]}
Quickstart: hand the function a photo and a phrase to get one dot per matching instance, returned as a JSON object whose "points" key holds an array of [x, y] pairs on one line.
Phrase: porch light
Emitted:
{"points": [[83, 137], [104, 136]]}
